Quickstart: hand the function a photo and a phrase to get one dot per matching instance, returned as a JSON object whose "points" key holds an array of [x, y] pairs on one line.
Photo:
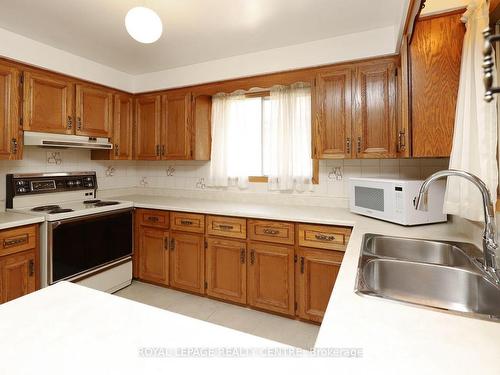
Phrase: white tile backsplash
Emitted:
{"points": [[186, 175]]}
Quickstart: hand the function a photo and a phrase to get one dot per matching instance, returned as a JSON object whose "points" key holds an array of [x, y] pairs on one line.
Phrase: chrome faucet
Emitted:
{"points": [[490, 245]]}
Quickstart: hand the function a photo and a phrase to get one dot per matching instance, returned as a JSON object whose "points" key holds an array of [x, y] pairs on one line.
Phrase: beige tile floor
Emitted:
{"points": [[287, 331]]}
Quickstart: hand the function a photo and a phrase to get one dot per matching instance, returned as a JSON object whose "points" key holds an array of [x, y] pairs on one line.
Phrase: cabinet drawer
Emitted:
{"points": [[271, 231], [188, 222], [324, 236], [227, 226], [152, 218], [17, 239]]}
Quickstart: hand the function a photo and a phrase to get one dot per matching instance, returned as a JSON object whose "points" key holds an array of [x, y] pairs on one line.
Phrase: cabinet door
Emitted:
{"points": [[375, 134], [93, 111], [147, 113], [270, 278], [333, 115], [9, 113], [48, 104], [176, 135], [316, 272], [122, 127], [226, 270], [202, 131], [17, 275], [187, 262], [153, 255], [435, 58]]}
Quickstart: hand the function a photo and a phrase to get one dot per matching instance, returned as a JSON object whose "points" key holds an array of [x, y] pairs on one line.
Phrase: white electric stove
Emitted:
{"points": [[84, 239]]}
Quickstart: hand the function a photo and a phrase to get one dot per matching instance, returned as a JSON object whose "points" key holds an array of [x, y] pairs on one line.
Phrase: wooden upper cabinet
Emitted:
{"points": [[123, 125], [93, 111], [375, 131], [48, 103], [148, 126], [176, 132], [332, 123], [9, 113], [202, 127], [17, 275], [435, 57], [270, 277]]}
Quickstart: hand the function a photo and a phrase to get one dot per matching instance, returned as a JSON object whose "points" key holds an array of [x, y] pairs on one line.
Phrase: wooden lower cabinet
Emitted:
{"points": [[17, 275], [153, 255], [316, 272], [270, 277], [187, 262], [226, 269]]}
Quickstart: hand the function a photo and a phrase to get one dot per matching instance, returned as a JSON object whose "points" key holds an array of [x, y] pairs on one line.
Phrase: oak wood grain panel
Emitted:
{"points": [[9, 113], [202, 140], [226, 270], [224, 226], [334, 114], [187, 262], [435, 58], [271, 277], [187, 222], [153, 255], [323, 236], [271, 231], [148, 127], [316, 272], [152, 218], [94, 111], [18, 239], [375, 134], [17, 275], [48, 103]]}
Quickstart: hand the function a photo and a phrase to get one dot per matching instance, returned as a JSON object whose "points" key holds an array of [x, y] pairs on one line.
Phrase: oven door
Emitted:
{"points": [[80, 245]]}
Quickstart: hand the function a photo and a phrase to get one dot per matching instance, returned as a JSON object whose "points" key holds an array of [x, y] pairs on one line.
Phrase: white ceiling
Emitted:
{"points": [[194, 30]]}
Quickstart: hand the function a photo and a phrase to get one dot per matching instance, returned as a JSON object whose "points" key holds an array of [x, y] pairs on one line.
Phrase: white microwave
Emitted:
{"points": [[392, 200]]}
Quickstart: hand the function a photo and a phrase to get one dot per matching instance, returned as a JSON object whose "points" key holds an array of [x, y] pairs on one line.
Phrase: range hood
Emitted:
{"points": [[51, 140]]}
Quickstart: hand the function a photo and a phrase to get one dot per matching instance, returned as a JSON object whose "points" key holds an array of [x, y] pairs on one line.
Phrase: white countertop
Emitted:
{"points": [[14, 219], [394, 338]]}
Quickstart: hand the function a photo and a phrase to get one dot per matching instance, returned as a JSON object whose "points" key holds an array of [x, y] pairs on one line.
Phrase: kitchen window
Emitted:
{"points": [[263, 137]]}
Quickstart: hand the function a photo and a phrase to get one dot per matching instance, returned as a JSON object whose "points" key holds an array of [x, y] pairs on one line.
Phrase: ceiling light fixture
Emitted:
{"points": [[143, 24]]}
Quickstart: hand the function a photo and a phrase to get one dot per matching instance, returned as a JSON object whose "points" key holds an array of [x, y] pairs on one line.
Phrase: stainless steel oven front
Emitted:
{"points": [[83, 245]]}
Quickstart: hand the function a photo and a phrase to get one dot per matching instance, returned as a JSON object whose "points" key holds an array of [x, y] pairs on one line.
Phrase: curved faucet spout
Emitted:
{"points": [[490, 246]]}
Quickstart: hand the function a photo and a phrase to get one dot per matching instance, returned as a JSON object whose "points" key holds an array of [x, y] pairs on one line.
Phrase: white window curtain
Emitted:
{"points": [[233, 120], [475, 135], [288, 138]]}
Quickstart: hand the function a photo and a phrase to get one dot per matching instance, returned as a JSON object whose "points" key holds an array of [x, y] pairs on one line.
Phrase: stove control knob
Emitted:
{"points": [[78, 182], [21, 190], [70, 183], [20, 183]]}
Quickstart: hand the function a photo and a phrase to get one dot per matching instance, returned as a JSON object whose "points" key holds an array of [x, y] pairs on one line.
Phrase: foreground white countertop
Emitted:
{"points": [[394, 338], [14, 219]]}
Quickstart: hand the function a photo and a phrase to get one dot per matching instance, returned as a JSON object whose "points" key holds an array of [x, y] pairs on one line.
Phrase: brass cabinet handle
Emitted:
{"points": [[158, 150], [186, 222], [166, 243], [271, 231], [69, 122], [78, 123], [117, 147], [8, 242], [225, 227], [13, 145], [301, 264], [348, 145], [252, 256], [31, 267], [401, 141], [153, 219], [162, 151], [242, 255], [324, 237], [359, 145], [488, 64], [172, 244]]}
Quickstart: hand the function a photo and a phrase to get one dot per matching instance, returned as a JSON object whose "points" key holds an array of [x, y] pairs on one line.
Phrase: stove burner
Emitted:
{"points": [[60, 210], [105, 203], [48, 207], [91, 201]]}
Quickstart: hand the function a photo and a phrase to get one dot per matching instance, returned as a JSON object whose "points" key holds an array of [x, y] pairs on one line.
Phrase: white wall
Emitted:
{"points": [[151, 177], [437, 6]]}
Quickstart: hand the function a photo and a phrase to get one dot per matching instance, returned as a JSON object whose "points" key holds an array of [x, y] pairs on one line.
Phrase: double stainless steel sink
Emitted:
{"points": [[435, 274]]}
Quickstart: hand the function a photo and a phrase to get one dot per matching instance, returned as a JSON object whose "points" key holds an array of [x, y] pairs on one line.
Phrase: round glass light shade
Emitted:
{"points": [[143, 24]]}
